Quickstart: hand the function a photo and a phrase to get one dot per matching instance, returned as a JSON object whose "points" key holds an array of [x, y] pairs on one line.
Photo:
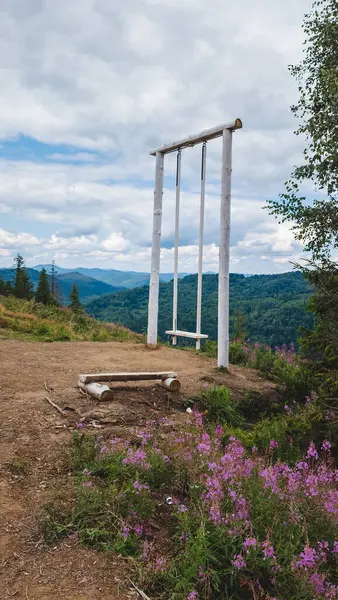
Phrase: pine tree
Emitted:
{"points": [[42, 293], [75, 304], [55, 289], [23, 287]]}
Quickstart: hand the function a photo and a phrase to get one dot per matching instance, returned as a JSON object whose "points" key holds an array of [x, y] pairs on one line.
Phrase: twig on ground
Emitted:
{"points": [[142, 594], [47, 388], [62, 412]]}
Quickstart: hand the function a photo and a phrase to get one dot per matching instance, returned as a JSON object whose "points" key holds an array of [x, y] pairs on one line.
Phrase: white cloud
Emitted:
{"points": [[114, 80], [10, 240], [114, 243]]}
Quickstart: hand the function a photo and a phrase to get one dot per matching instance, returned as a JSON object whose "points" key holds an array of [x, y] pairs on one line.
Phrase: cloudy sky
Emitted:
{"points": [[89, 87]]}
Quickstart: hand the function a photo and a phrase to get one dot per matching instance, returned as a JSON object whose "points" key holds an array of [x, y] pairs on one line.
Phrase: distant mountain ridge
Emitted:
{"points": [[273, 305], [114, 277], [89, 287]]}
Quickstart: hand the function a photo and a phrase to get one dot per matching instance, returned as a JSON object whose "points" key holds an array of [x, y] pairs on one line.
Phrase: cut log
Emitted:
{"points": [[171, 384], [88, 377], [100, 392]]}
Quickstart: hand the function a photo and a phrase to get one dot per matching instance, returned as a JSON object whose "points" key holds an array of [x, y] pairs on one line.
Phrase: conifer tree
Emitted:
{"points": [[42, 293], [23, 287], [75, 304]]}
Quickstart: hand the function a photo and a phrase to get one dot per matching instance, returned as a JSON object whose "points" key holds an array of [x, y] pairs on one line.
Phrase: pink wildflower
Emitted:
{"points": [[312, 452], [192, 596], [160, 565], [318, 581], [268, 550], [335, 547], [307, 558], [239, 562], [249, 543], [326, 445], [273, 444]]}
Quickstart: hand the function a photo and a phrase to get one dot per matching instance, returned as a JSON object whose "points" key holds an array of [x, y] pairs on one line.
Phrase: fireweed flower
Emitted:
{"points": [[335, 547], [268, 550], [273, 444], [140, 486], [239, 562], [138, 530], [125, 531], [160, 565], [307, 559], [249, 543], [192, 596], [312, 452], [326, 445]]}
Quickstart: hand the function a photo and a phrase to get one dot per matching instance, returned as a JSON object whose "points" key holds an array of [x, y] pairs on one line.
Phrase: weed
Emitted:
{"points": [[220, 406]]}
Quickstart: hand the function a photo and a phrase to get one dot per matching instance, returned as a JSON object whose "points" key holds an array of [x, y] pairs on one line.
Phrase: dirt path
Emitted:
{"points": [[33, 436]]}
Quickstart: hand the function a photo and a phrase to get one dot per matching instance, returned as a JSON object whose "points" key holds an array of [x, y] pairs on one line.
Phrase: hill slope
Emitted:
{"points": [[123, 279], [88, 286], [274, 306]]}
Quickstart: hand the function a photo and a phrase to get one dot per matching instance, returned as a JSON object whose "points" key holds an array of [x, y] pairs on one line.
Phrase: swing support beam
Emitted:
{"points": [[225, 131]]}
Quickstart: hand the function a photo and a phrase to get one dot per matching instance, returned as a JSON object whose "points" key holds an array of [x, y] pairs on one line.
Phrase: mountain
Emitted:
{"points": [[273, 305], [89, 287], [123, 279]]}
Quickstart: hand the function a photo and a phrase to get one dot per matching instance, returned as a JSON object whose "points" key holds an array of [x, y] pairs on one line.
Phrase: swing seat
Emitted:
{"points": [[187, 334]]}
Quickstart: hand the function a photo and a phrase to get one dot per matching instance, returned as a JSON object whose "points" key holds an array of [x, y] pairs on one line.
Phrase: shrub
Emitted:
{"points": [[237, 353], [220, 407], [237, 524]]}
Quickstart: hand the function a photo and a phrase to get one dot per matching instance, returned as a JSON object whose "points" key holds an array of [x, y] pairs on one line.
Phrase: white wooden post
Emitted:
{"points": [[224, 253], [177, 224], [200, 249], [156, 252]]}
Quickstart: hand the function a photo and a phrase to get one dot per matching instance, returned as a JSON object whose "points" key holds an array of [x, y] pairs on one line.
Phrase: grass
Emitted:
{"points": [[240, 524], [28, 320]]}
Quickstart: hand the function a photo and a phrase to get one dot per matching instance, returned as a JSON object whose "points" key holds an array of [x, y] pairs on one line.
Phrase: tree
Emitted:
{"points": [[240, 326], [55, 290], [42, 293], [23, 287], [321, 344], [75, 304], [316, 223]]}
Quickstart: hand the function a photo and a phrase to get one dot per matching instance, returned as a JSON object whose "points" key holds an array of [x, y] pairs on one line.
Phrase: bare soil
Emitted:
{"points": [[34, 438]]}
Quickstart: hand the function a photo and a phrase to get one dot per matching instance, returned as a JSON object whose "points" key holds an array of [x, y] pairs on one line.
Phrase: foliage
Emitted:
{"points": [[23, 287], [237, 353], [75, 304], [273, 306], [219, 405], [43, 293], [35, 321], [321, 345], [238, 524], [316, 224]]}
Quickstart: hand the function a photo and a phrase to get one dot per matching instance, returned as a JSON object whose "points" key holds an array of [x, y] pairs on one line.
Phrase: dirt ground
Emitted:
{"points": [[33, 438]]}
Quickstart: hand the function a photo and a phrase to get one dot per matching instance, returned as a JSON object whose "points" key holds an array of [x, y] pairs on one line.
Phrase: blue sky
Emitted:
{"points": [[89, 88]]}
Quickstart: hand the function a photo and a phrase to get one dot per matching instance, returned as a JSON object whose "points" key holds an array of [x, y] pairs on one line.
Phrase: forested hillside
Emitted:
{"points": [[88, 286], [273, 305]]}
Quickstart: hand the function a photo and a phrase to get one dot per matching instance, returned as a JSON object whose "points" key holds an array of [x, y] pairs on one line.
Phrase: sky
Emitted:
{"points": [[90, 87]]}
